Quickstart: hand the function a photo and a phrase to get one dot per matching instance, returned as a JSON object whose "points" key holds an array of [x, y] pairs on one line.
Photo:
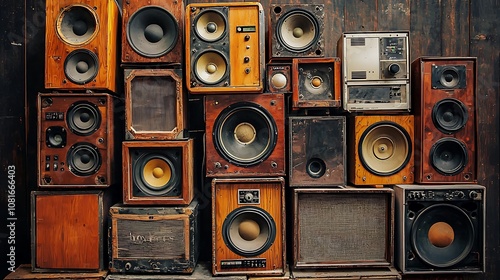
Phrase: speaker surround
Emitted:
{"points": [[77, 24]]}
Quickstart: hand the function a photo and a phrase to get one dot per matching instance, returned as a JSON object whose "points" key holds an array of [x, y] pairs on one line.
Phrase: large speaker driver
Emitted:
{"points": [[81, 66], [83, 159], [449, 115], [449, 156], [210, 25], [211, 67], [77, 25], [156, 174], [245, 134], [297, 30], [249, 231], [152, 31], [83, 118], [385, 148]]}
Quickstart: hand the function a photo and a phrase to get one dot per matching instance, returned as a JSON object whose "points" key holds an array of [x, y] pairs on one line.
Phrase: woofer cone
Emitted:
{"points": [[211, 67], [77, 25], [249, 231], [152, 31], [449, 156], [210, 25], [297, 30], [83, 118], [156, 174], [81, 66], [450, 77], [245, 134], [449, 115], [463, 235], [83, 159]]}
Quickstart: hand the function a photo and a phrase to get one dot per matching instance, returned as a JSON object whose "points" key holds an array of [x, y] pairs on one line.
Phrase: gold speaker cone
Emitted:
{"points": [[210, 26], [245, 133], [77, 24], [157, 173], [316, 82], [298, 31], [210, 67], [278, 81], [249, 230], [315, 85], [441, 234]]}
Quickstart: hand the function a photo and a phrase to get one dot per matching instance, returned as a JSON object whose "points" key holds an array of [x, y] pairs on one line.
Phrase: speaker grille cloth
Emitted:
{"points": [[342, 227], [154, 103]]}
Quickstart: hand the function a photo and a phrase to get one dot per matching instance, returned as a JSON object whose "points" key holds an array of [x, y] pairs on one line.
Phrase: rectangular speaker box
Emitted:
{"points": [[225, 51], [158, 172], [376, 71], [343, 227], [152, 32], [245, 135], [316, 82], [81, 44], [76, 140], [153, 239], [317, 151], [248, 226], [68, 230], [202, 271], [155, 104], [381, 150], [445, 119], [296, 30], [440, 229], [24, 272], [279, 77]]}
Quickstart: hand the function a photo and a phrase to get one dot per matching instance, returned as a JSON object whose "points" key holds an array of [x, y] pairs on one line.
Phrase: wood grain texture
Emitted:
{"points": [[393, 15], [455, 28], [24, 272], [425, 28], [361, 15]]}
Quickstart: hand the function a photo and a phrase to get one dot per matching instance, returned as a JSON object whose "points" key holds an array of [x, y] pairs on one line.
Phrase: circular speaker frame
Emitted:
{"points": [[316, 167], [308, 26], [238, 244], [386, 149], [141, 181], [83, 118], [210, 25], [77, 25], [83, 159], [464, 235], [81, 66], [449, 115], [443, 155], [450, 77], [239, 153], [152, 31], [211, 67]]}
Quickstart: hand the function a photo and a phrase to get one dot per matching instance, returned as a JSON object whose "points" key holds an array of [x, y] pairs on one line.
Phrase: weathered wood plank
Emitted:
{"points": [[393, 15], [361, 15], [425, 28], [24, 272], [454, 28]]}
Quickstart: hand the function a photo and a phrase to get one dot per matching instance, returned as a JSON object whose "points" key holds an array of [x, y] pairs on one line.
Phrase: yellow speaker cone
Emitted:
{"points": [[441, 234], [316, 82], [249, 230], [157, 173], [244, 133], [211, 67], [383, 148]]}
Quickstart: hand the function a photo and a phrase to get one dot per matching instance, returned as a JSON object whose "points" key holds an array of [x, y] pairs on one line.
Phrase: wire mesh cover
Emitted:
{"points": [[337, 228]]}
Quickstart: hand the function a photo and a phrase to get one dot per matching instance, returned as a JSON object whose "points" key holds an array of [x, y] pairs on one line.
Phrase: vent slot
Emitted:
{"points": [[358, 75], [357, 42]]}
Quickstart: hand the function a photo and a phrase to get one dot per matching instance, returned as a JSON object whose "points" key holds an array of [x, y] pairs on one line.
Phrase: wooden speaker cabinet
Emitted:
{"points": [[152, 31], [248, 226], [316, 82], [342, 227], [245, 135], [153, 239], [225, 51], [279, 77], [444, 91], [158, 172], [155, 104], [68, 230], [317, 151], [24, 272], [81, 44], [380, 150], [75, 140]]}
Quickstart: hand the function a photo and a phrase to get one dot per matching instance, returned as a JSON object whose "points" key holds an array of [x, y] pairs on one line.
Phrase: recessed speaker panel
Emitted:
{"points": [[279, 77], [77, 24]]}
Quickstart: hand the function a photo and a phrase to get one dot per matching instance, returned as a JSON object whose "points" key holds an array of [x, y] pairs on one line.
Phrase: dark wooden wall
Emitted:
{"points": [[437, 27]]}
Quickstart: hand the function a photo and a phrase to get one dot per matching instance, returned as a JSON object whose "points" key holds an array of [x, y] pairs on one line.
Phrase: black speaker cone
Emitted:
{"points": [[55, 137], [77, 25], [449, 156], [249, 231], [245, 134], [152, 31], [83, 118], [449, 115], [316, 167], [156, 173], [83, 159], [81, 66], [297, 30], [449, 76]]}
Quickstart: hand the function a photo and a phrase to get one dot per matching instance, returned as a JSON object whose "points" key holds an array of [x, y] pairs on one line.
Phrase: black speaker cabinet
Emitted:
{"points": [[316, 82], [317, 151], [445, 119], [152, 31], [75, 140], [296, 30], [440, 228], [342, 227], [225, 50], [158, 172], [279, 77], [80, 44], [155, 104], [248, 223], [245, 135]]}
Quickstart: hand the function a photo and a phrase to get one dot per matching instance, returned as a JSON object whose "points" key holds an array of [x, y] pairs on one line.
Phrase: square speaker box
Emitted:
{"points": [[152, 31], [248, 223], [343, 227], [381, 150], [68, 230], [316, 82], [279, 77], [81, 44], [158, 172], [245, 135], [440, 229], [445, 119], [225, 51], [317, 151], [76, 140], [155, 104], [161, 240]]}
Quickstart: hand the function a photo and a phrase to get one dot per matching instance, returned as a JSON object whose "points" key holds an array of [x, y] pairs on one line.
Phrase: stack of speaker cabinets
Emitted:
{"points": [[75, 139]]}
